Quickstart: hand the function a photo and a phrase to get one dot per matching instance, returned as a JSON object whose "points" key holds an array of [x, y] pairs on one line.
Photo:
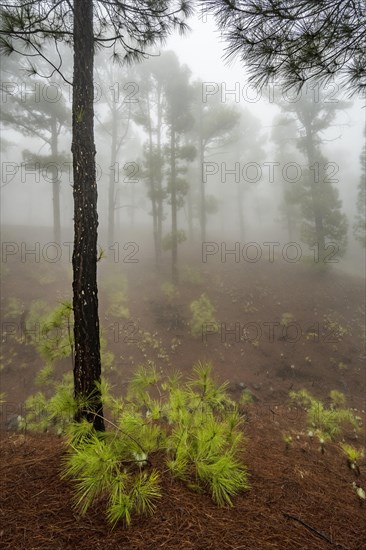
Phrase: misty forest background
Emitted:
{"points": [[236, 178]]}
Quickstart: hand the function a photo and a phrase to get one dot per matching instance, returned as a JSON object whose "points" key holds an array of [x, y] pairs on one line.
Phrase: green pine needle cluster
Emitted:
{"points": [[206, 437], [191, 430], [54, 413], [354, 456], [325, 422], [102, 466], [51, 331]]}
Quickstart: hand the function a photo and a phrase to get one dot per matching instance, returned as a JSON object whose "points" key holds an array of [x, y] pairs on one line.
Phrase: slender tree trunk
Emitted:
{"points": [[203, 196], [153, 188], [87, 365], [315, 193], [159, 178], [55, 183], [174, 209], [111, 187], [202, 184]]}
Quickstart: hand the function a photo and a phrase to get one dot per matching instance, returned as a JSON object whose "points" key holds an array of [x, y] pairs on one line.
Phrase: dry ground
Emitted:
{"points": [[299, 498]]}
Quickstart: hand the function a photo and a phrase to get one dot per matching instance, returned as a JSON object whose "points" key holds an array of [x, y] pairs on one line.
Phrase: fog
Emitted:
{"points": [[256, 162]]}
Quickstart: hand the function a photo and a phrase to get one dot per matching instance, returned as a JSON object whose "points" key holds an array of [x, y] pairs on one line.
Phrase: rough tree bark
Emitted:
{"points": [[87, 366]]}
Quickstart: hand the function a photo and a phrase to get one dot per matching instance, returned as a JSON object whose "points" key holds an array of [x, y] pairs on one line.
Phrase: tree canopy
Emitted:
{"points": [[125, 28], [295, 42]]}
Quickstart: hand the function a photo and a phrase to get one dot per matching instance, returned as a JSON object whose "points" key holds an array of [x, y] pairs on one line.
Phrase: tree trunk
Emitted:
{"points": [[55, 183], [159, 177], [111, 187], [87, 366], [315, 193], [153, 187], [174, 209], [203, 197], [202, 185]]}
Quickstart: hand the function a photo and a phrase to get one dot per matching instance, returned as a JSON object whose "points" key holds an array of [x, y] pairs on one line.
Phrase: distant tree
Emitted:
{"points": [[323, 221], [248, 146], [34, 115], [284, 137], [179, 121], [163, 111], [114, 123], [149, 114], [214, 123], [296, 41], [359, 228], [28, 27]]}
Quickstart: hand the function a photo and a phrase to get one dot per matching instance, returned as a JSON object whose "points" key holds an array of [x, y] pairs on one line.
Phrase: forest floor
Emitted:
{"points": [[280, 326]]}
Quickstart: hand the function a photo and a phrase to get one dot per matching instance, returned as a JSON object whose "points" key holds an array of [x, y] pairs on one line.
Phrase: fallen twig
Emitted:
{"points": [[319, 533]]}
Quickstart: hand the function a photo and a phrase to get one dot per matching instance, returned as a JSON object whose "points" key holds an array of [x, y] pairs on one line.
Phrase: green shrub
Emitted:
{"points": [[52, 413], [353, 457], [325, 422], [56, 338], [52, 333], [202, 314], [170, 291], [194, 425]]}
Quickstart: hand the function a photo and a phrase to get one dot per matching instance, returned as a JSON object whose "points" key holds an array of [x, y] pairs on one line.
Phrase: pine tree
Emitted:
{"points": [[179, 120], [214, 124], [28, 28], [148, 113], [34, 116], [323, 222], [114, 117], [284, 135]]}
